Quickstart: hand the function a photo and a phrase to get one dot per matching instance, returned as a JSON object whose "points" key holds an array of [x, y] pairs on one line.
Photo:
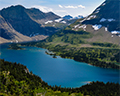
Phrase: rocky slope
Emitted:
{"points": [[28, 23], [8, 34], [106, 15], [103, 23], [25, 21]]}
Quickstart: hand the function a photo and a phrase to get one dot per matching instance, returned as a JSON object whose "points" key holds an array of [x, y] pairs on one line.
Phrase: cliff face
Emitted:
{"points": [[27, 21], [8, 34], [107, 15], [39, 16], [19, 24]]}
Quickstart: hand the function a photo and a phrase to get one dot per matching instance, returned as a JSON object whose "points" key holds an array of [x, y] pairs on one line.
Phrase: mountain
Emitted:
{"points": [[68, 17], [32, 22], [101, 27], [107, 15], [60, 23], [8, 34], [103, 23], [41, 17], [89, 39], [78, 17], [28, 21]]}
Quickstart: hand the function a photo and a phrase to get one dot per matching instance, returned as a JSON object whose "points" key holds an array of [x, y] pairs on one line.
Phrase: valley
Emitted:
{"points": [[66, 56]]}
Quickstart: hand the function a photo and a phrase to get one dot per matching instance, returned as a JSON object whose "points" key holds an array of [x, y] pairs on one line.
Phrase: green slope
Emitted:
{"points": [[16, 80]]}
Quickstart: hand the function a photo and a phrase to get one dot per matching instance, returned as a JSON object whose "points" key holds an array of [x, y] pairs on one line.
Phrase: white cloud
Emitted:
{"points": [[73, 7], [60, 6], [81, 6], [43, 8]]}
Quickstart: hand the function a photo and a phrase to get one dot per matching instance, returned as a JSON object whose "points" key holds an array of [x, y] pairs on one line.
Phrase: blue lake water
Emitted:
{"points": [[58, 71]]}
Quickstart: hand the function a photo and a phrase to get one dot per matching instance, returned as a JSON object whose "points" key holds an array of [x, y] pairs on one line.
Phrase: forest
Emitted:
{"points": [[101, 57], [73, 44], [16, 80], [14, 47]]}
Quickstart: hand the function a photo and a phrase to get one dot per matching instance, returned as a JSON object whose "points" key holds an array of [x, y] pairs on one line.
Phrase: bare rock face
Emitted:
{"points": [[25, 21], [8, 34], [17, 24], [107, 15]]}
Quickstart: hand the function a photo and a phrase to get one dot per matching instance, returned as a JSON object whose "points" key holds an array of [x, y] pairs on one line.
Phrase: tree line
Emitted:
{"points": [[15, 79]]}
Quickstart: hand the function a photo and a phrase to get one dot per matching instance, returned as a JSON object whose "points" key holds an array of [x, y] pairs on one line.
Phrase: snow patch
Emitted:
{"points": [[76, 26], [115, 32], [50, 21], [97, 12], [83, 19], [83, 26], [16, 41], [96, 27], [98, 9], [103, 4], [106, 29], [93, 16], [110, 20], [63, 22], [58, 20], [103, 20], [69, 23]]}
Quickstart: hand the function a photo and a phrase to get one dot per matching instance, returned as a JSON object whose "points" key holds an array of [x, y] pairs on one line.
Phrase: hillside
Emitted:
{"points": [[28, 84], [103, 23], [107, 15], [24, 20], [102, 26], [8, 34], [86, 42], [29, 23], [40, 16]]}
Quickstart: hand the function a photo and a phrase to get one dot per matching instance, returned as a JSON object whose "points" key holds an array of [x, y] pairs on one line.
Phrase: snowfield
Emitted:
{"points": [[96, 27], [76, 26], [63, 22], [58, 20], [50, 21], [115, 32], [103, 20], [106, 29], [91, 17], [109, 20]]}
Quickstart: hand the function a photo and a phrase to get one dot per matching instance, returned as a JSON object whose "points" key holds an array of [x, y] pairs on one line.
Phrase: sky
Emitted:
{"points": [[59, 7]]}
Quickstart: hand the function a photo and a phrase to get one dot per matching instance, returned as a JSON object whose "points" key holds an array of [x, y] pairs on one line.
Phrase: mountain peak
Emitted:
{"points": [[19, 6], [67, 17], [15, 7], [107, 15], [78, 17]]}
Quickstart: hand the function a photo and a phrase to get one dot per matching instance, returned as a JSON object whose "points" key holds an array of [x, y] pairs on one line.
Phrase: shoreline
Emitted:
{"points": [[117, 67], [54, 54]]}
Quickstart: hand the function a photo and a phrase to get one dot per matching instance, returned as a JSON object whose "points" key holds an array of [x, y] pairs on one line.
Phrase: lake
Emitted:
{"points": [[58, 71]]}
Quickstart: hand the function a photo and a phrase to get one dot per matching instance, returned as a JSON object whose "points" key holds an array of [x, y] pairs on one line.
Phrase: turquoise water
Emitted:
{"points": [[58, 71]]}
